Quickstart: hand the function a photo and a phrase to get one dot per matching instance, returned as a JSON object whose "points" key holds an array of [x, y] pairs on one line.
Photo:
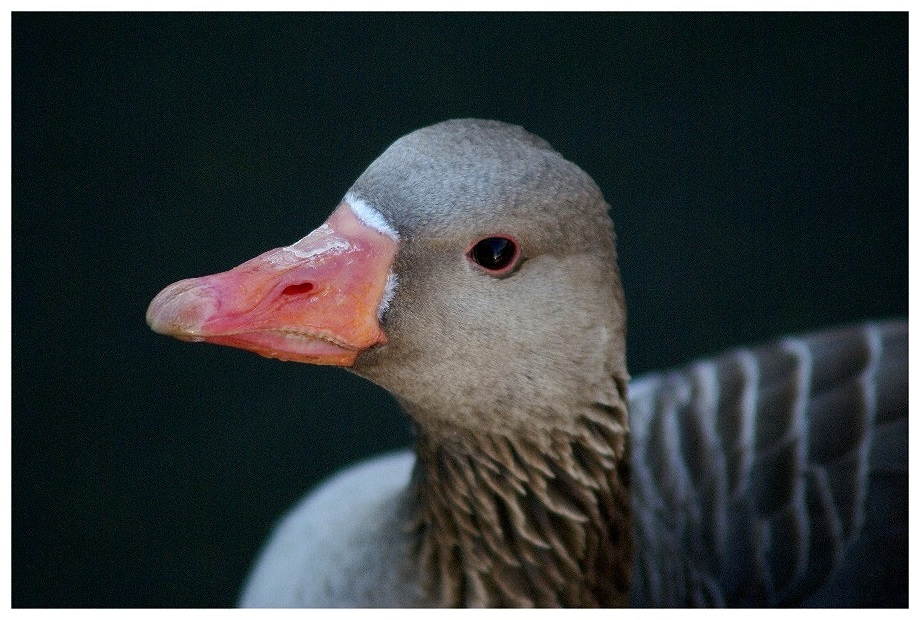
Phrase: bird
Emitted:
{"points": [[471, 271]]}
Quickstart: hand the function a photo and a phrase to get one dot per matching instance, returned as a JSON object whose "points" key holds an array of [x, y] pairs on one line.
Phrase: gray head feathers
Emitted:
{"points": [[519, 350]]}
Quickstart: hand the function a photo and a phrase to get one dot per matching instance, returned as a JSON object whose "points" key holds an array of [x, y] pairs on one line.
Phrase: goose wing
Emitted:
{"points": [[776, 475]]}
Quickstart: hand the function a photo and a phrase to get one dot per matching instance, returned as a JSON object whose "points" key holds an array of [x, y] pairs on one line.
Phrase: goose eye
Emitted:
{"points": [[496, 255]]}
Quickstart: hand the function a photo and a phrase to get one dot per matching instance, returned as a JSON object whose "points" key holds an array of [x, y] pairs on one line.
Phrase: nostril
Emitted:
{"points": [[298, 289]]}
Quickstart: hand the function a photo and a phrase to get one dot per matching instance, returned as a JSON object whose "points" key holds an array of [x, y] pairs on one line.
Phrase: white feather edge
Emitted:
{"points": [[370, 216]]}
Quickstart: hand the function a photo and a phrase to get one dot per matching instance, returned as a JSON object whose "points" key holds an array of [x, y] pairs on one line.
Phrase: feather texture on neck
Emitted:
{"points": [[525, 521]]}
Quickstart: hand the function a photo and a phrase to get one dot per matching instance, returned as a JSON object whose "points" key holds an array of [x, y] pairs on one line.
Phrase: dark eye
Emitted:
{"points": [[496, 255]]}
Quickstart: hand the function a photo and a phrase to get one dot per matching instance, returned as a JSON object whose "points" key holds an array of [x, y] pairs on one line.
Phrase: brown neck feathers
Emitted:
{"points": [[513, 522]]}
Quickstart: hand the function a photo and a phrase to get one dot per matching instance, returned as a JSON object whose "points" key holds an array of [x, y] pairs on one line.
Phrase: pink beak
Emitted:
{"points": [[315, 301]]}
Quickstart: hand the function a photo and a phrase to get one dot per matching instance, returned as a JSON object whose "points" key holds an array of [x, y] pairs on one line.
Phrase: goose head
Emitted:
{"points": [[470, 271]]}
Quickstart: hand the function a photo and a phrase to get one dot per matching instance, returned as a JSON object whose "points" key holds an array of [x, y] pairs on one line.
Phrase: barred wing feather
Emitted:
{"points": [[775, 476]]}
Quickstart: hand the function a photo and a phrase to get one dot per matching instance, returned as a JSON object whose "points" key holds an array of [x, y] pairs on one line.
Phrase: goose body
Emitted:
{"points": [[471, 271]]}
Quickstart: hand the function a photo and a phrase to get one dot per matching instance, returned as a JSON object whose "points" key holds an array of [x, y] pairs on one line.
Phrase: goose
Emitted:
{"points": [[471, 271]]}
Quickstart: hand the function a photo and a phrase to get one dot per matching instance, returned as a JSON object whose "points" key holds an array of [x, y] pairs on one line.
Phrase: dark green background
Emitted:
{"points": [[756, 166]]}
